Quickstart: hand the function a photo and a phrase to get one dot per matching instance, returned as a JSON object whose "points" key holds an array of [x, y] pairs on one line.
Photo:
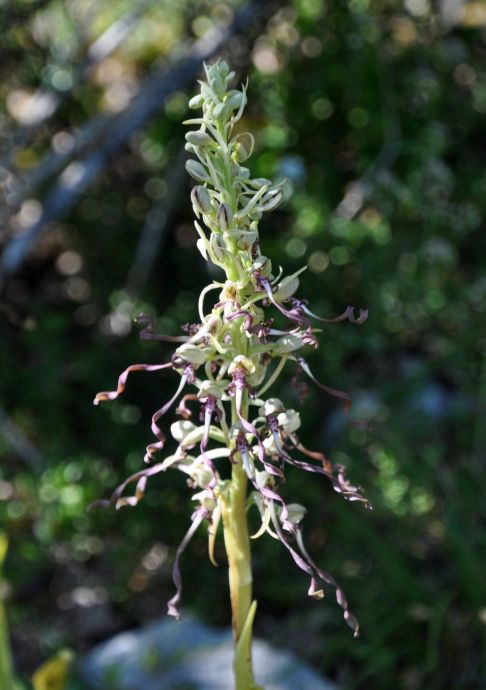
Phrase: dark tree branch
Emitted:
{"points": [[154, 90], [155, 228]]}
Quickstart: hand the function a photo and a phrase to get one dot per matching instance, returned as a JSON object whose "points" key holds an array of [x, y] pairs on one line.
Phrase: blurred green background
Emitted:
{"points": [[375, 112]]}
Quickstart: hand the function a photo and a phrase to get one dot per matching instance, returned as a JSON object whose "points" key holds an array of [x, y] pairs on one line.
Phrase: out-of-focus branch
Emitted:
{"points": [[358, 191], [154, 90], [16, 438], [155, 228], [104, 45]]}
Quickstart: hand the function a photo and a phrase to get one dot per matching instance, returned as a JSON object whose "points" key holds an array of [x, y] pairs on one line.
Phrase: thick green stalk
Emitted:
{"points": [[237, 543]]}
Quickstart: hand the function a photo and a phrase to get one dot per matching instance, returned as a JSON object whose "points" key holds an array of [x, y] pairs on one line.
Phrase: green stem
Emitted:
{"points": [[6, 671], [237, 542]]}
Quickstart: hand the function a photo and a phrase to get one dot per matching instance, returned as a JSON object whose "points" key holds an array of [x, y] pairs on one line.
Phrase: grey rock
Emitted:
{"points": [[188, 655]]}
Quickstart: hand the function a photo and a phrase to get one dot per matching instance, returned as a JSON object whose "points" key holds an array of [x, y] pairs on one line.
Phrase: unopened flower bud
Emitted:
{"points": [[196, 102], [215, 247], [271, 200], [223, 67], [197, 171], [199, 139], [243, 173], [216, 77], [220, 111], [225, 217], [201, 201], [206, 93], [259, 182], [234, 100]]}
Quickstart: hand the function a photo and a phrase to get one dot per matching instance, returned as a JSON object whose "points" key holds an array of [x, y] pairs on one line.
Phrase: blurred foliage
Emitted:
{"points": [[375, 113]]}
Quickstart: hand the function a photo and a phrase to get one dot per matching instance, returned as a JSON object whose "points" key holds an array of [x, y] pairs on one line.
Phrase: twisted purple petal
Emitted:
{"points": [[122, 380]]}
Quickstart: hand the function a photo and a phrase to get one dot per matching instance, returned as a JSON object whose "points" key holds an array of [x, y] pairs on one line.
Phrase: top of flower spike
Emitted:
{"points": [[214, 98], [227, 200]]}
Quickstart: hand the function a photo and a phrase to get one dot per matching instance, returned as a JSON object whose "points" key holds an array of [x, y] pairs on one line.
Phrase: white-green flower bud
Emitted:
{"points": [[243, 173], [234, 100], [223, 67], [197, 171], [217, 251], [216, 77], [271, 200], [199, 139], [271, 406], [289, 420], [191, 354], [196, 102], [220, 111], [207, 93], [201, 201], [259, 182], [225, 217], [181, 429]]}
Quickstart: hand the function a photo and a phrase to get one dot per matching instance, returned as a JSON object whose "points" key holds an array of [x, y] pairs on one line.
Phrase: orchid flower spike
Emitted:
{"points": [[227, 363]]}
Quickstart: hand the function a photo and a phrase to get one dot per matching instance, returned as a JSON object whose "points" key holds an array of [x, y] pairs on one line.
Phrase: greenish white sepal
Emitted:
{"points": [[296, 513], [271, 406], [209, 388], [289, 420], [191, 353], [287, 343]]}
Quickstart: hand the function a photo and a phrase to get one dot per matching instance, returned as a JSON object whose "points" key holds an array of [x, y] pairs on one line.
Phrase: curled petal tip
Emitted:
{"points": [[100, 397], [173, 611]]}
